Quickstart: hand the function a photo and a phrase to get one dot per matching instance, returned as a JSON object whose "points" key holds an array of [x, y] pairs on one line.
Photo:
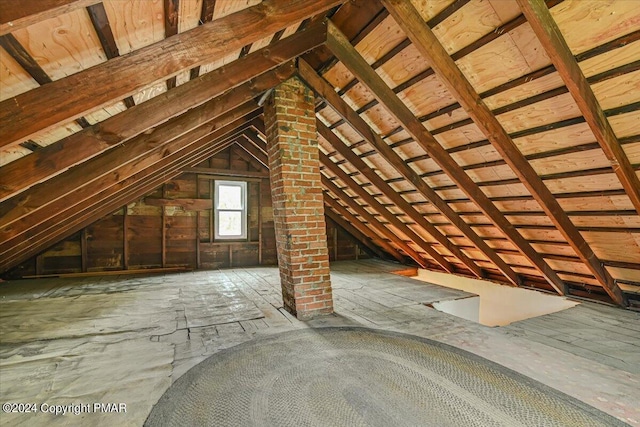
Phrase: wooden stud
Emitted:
{"points": [[83, 249], [125, 237], [429, 46]]}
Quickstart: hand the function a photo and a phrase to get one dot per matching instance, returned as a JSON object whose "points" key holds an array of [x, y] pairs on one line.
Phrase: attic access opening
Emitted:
{"points": [[492, 304]]}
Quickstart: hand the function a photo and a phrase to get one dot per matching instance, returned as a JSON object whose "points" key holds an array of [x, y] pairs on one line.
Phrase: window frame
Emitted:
{"points": [[244, 211]]}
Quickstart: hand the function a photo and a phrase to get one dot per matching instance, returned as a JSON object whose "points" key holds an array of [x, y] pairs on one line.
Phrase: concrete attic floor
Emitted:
{"points": [[125, 339]]}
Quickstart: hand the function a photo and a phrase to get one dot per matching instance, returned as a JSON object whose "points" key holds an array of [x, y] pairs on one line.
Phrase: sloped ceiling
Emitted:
{"points": [[489, 138]]}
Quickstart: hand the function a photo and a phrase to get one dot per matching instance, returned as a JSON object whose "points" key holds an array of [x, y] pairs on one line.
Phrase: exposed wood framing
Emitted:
{"points": [[347, 113], [93, 88], [374, 222], [257, 147], [190, 204], [63, 223], [145, 148], [100, 22], [394, 197], [357, 235], [171, 12], [81, 146], [206, 15], [373, 204], [17, 233], [350, 57], [17, 14], [362, 227], [444, 66], [556, 47]]}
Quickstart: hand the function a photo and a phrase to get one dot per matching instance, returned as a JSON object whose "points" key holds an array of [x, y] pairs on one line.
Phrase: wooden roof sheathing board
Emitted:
{"points": [[493, 46]]}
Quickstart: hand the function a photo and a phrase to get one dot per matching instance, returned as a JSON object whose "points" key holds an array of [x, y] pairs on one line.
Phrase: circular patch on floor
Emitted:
{"points": [[361, 377]]}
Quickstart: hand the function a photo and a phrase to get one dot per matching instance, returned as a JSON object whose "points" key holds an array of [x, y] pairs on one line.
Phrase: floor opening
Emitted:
{"points": [[492, 304]]}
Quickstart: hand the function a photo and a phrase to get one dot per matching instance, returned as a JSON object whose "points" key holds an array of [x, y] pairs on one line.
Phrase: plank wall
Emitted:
{"points": [[145, 235]]}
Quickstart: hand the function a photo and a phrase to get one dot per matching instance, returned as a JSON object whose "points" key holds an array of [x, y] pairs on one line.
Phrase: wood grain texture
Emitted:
{"points": [[350, 57], [322, 87], [374, 222], [120, 77], [388, 216], [88, 143], [63, 223], [18, 14], [101, 170], [461, 88], [556, 47]]}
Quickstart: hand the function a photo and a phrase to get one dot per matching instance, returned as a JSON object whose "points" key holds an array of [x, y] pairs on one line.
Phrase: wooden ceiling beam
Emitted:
{"points": [[429, 46], [248, 146], [19, 175], [350, 57], [95, 87], [124, 191], [395, 198], [139, 147], [363, 228], [555, 45], [257, 148], [102, 27], [355, 233], [384, 212], [374, 222], [29, 208], [171, 16], [359, 125], [18, 14]]}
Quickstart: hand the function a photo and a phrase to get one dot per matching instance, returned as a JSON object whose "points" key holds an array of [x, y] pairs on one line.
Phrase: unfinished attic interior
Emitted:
{"points": [[180, 177]]}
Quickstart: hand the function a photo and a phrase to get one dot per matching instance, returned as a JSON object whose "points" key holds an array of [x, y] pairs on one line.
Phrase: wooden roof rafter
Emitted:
{"points": [[398, 201], [64, 222], [350, 57], [458, 85], [90, 89], [362, 227], [384, 212], [553, 41], [257, 149], [81, 146], [350, 116], [375, 223], [62, 193]]}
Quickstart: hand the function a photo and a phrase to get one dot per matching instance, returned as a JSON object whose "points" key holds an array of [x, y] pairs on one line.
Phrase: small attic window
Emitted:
{"points": [[230, 210]]}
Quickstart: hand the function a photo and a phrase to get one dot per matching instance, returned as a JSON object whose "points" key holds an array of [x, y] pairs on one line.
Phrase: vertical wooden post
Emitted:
{"points": [[164, 232], [125, 239], [39, 265], [83, 249], [197, 225], [260, 222], [335, 243], [212, 213]]}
